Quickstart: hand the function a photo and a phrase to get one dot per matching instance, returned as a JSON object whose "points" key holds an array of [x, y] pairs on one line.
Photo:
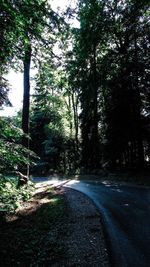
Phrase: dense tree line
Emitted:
{"points": [[91, 106], [111, 51]]}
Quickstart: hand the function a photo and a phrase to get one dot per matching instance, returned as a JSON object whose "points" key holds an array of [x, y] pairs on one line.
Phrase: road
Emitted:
{"points": [[126, 216]]}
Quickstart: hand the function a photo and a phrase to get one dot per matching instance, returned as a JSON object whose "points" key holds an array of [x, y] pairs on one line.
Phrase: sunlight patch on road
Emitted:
{"points": [[46, 183], [107, 183], [126, 205], [73, 182]]}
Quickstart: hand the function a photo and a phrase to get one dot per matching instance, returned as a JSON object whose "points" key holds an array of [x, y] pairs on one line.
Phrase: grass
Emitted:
{"points": [[34, 235]]}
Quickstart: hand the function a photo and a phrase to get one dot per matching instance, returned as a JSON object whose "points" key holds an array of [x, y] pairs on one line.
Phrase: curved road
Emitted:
{"points": [[126, 218]]}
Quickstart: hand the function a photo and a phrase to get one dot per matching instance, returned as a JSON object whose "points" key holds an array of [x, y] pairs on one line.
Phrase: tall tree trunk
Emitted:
{"points": [[138, 109], [26, 94], [89, 105], [26, 99], [70, 117], [94, 137], [75, 116]]}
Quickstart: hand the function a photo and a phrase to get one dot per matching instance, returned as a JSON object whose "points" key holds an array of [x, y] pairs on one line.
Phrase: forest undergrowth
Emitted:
{"points": [[32, 236]]}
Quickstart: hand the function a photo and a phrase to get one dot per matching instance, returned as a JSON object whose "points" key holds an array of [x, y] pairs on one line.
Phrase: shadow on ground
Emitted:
{"points": [[33, 236]]}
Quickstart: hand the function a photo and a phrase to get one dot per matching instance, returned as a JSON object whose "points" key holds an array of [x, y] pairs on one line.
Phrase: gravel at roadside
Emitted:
{"points": [[57, 227], [85, 239]]}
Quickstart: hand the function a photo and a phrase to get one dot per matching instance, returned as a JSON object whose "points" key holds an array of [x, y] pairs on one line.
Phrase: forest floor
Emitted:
{"points": [[57, 227]]}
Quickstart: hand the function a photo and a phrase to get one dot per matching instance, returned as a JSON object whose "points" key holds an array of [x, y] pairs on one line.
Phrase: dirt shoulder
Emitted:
{"points": [[86, 244], [58, 227]]}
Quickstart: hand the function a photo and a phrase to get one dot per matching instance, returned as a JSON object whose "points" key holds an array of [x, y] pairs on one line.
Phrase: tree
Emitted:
{"points": [[32, 15], [89, 40], [109, 66], [96, 82], [47, 118], [13, 155], [121, 75], [4, 89]]}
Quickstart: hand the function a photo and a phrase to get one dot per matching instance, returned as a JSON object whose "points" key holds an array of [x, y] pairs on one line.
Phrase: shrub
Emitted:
{"points": [[11, 196]]}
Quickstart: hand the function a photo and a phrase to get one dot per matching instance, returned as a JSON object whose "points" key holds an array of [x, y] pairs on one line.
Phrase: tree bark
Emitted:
{"points": [[138, 109], [26, 101], [75, 116], [26, 96], [94, 137]]}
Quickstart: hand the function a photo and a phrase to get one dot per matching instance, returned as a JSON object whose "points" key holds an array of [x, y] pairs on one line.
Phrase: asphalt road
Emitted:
{"points": [[126, 216]]}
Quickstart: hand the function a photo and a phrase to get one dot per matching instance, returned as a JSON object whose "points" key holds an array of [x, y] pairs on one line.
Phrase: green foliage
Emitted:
{"points": [[51, 116], [10, 196], [4, 89], [13, 155], [110, 69], [92, 86], [20, 22], [8, 130]]}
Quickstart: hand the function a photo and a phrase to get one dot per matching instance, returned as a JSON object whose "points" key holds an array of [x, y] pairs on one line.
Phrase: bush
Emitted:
{"points": [[11, 196]]}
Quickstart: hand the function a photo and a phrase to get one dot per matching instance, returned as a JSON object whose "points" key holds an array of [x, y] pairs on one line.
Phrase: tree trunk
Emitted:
{"points": [[26, 95], [70, 117], [26, 99], [138, 109], [75, 116], [94, 137]]}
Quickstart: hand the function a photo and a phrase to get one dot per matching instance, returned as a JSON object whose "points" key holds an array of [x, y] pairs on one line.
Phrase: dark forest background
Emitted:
{"points": [[90, 110]]}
